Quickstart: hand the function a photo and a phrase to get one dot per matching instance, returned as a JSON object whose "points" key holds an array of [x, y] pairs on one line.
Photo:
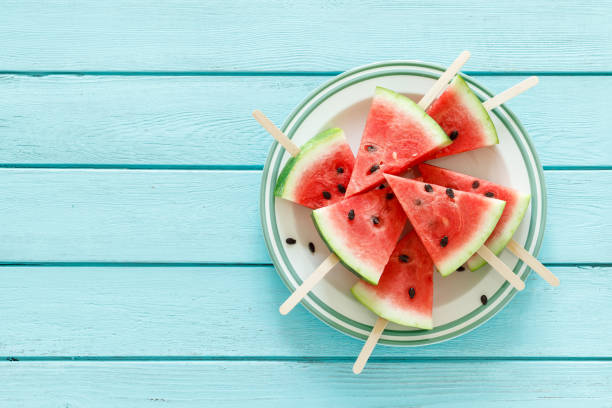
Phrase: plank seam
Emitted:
{"points": [[277, 73], [4, 264], [135, 264], [307, 359], [212, 167]]}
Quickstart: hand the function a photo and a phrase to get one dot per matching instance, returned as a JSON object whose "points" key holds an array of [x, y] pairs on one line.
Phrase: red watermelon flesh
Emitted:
{"points": [[319, 174], [452, 224], [397, 135], [362, 230], [404, 294], [464, 119], [516, 205]]}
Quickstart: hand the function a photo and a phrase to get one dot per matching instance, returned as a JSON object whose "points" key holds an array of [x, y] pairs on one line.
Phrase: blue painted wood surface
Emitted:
{"points": [[206, 120], [130, 168], [212, 216], [193, 311], [308, 383], [194, 35]]}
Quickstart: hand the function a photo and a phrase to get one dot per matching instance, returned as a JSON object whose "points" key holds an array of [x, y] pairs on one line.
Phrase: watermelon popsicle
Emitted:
{"points": [[398, 133], [404, 294], [453, 225], [361, 232], [317, 174], [466, 119], [332, 259], [516, 206]]}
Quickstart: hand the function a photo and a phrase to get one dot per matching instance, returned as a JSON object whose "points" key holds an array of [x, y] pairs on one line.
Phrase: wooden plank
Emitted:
{"points": [[242, 35], [130, 216], [148, 121], [283, 383], [189, 311], [575, 207], [93, 215]]}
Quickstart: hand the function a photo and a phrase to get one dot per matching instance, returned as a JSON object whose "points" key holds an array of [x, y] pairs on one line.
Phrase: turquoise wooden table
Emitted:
{"points": [[134, 272]]}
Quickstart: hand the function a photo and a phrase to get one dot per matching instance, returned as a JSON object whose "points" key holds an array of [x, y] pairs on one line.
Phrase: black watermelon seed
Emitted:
{"points": [[351, 214], [450, 193], [417, 202], [381, 187], [340, 170], [375, 220], [428, 188], [290, 241], [370, 148], [311, 247], [411, 293], [374, 168], [341, 188], [444, 241], [390, 196], [489, 194], [453, 135], [461, 269], [484, 299], [404, 258], [326, 194], [475, 184]]}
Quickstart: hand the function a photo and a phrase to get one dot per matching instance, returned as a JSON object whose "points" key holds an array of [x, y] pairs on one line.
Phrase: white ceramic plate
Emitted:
{"points": [[344, 102]]}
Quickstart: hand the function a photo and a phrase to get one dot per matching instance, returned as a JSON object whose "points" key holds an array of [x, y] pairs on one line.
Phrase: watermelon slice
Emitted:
{"points": [[452, 224], [319, 174], [516, 205], [362, 230], [397, 135], [404, 294], [461, 114]]}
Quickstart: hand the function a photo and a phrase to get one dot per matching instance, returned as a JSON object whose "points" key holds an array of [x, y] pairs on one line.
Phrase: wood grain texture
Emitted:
{"points": [[176, 103], [302, 384], [131, 216], [189, 311], [242, 35], [92, 215], [174, 120]]}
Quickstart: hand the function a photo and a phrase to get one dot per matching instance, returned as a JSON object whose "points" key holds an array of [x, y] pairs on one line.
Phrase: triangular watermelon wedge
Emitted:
{"points": [[516, 205], [397, 135], [319, 174], [362, 230], [464, 119], [452, 224], [404, 294]]}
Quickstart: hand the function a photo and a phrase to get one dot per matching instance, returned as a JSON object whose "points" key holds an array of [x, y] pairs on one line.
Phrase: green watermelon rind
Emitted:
{"points": [[477, 109], [406, 104], [486, 228], [353, 264], [476, 262], [386, 310], [311, 151]]}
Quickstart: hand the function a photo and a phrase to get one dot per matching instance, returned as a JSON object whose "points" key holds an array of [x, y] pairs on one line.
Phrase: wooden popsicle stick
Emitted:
{"points": [[369, 345], [510, 93], [444, 79], [501, 268], [530, 260], [276, 133], [514, 246], [308, 284]]}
